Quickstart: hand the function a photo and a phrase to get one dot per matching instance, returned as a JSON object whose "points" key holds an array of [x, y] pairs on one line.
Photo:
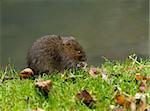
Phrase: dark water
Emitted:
{"points": [[110, 28]]}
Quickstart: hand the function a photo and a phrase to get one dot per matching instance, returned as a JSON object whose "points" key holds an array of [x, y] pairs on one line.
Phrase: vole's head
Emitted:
{"points": [[73, 49]]}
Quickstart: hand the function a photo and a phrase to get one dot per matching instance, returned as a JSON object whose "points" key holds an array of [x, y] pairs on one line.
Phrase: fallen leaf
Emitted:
{"points": [[131, 69], [26, 73], [141, 67], [143, 86], [144, 66], [127, 104], [86, 98], [146, 78], [44, 86], [147, 108], [133, 106], [120, 99], [104, 74], [94, 72], [138, 77], [141, 106], [119, 109], [138, 95], [141, 101]]}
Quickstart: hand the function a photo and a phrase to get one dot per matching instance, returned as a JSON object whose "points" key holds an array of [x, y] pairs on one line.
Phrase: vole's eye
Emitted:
{"points": [[79, 52], [76, 49], [68, 44]]}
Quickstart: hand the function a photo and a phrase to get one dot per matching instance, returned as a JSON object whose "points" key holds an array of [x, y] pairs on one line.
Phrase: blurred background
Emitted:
{"points": [[111, 28]]}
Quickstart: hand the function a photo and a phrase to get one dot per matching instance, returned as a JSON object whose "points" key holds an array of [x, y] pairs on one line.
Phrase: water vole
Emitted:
{"points": [[54, 53]]}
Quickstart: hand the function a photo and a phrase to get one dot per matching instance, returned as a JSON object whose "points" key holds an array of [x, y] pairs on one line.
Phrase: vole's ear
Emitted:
{"points": [[66, 40], [59, 37], [72, 38]]}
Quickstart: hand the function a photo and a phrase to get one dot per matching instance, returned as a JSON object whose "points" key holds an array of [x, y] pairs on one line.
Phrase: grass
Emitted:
{"points": [[21, 95]]}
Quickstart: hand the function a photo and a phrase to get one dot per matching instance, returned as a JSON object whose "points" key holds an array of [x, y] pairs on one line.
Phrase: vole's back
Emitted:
{"points": [[50, 53]]}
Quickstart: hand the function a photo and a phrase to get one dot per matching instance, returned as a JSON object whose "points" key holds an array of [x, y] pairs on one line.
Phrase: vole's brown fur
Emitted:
{"points": [[53, 53]]}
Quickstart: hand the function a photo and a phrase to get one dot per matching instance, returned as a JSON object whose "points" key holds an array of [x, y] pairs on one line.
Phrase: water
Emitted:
{"points": [[110, 28]]}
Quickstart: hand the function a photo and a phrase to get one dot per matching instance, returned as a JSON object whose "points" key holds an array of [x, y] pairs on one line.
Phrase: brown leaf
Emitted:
{"points": [[129, 103], [119, 109], [126, 104], [26, 73], [120, 99], [86, 98], [140, 101], [141, 106], [133, 106], [44, 86], [141, 67], [146, 78], [94, 72], [104, 74], [143, 86], [139, 77], [131, 69], [133, 103]]}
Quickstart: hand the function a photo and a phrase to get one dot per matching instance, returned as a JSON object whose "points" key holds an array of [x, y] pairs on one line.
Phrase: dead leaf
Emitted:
{"points": [[131, 69], [120, 99], [44, 86], [133, 106], [139, 77], [104, 74], [26, 73], [86, 98], [94, 72], [141, 101], [126, 104], [141, 67], [146, 78], [141, 106], [119, 109], [143, 86], [133, 103]]}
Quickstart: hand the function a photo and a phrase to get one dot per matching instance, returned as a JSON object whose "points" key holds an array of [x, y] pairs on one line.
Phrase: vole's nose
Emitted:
{"points": [[82, 58]]}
